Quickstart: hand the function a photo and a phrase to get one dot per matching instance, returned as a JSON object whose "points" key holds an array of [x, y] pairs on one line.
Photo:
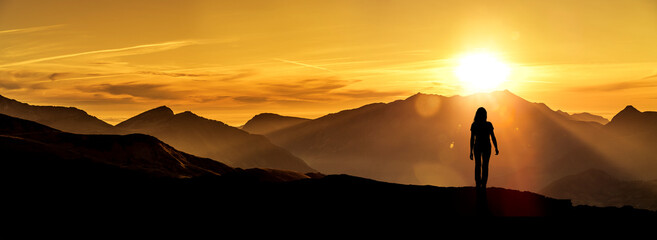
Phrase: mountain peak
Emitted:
{"points": [[152, 116], [187, 114], [630, 108], [628, 113], [264, 123], [162, 110]]}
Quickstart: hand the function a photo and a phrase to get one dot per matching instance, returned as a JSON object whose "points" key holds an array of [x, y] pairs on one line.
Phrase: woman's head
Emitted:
{"points": [[481, 115]]}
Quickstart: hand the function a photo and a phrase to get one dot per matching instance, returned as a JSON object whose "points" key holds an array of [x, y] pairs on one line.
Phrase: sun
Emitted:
{"points": [[481, 71]]}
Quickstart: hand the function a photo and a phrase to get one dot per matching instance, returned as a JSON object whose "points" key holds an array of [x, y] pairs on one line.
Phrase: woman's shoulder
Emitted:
{"points": [[489, 124]]}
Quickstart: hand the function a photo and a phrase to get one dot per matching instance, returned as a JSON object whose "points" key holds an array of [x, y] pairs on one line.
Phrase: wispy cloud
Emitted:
{"points": [[143, 90], [30, 29], [251, 99], [114, 52], [647, 82], [302, 64]]}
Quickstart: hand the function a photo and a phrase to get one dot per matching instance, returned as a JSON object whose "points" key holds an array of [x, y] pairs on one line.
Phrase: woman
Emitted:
{"points": [[481, 132]]}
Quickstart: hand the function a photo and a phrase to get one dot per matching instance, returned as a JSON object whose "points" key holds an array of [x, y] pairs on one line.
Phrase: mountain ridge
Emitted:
{"points": [[433, 129], [348, 195], [69, 119], [213, 139], [264, 123], [245, 151]]}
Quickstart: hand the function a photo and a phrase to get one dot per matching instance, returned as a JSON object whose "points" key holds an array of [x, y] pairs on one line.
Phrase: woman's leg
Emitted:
{"points": [[477, 156], [484, 167]]}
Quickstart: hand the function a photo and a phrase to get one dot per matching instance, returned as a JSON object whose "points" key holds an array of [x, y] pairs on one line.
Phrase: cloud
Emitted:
{"points": [[643, 83], [207, 99], [30, 29], [305, 87], [214, 76], [9, 85], [302, 64], [143, 90], [251, 99], [366, 93], [114, 52]]}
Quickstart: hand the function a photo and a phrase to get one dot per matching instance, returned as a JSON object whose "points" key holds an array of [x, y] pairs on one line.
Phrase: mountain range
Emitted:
{"points": [[212, 139], [424, 139], [185, 131], [68, 119], [419, 140], [101, 178]]}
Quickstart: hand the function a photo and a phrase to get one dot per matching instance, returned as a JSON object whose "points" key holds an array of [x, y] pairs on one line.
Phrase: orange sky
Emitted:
{"points": [[230, 60]]}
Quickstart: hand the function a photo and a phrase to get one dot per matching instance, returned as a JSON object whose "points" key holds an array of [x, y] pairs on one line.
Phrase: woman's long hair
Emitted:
{"points": [[480, 115]]}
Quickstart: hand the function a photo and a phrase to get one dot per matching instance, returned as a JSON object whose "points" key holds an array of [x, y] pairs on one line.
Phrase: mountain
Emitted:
{"points": [[63, 118], [187, 131], [633, 134], [33, 151], [585, 117], [597, 188], [212, 139], [269, 122], [631, 121], [424, 139], [100, 178], [27, 143]]}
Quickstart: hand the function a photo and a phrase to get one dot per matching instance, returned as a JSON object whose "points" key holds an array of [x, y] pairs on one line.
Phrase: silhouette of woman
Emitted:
{"points": [[481, 132]]}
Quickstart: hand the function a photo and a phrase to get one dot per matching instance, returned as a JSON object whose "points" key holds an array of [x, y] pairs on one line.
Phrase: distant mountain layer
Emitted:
{"points": [[186, 131], [585, 117], [424, 139], [268, 122], [212, 139], [63, 118], [597, 188], [631, 121]]}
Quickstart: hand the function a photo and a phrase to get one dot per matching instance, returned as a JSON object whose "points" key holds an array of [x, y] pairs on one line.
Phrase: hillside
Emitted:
{"points": [[68, 119], [212, 139]]}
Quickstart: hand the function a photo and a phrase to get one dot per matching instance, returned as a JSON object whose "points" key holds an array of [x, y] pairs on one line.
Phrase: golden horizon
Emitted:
{"points": [[232, 60]]}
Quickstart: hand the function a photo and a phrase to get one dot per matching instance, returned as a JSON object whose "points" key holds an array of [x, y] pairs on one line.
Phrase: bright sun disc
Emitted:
{"points": [[481, 71]]}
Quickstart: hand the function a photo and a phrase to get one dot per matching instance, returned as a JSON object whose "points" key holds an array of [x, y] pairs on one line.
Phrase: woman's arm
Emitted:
{"points": [[492, 136], [471, 144]]}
